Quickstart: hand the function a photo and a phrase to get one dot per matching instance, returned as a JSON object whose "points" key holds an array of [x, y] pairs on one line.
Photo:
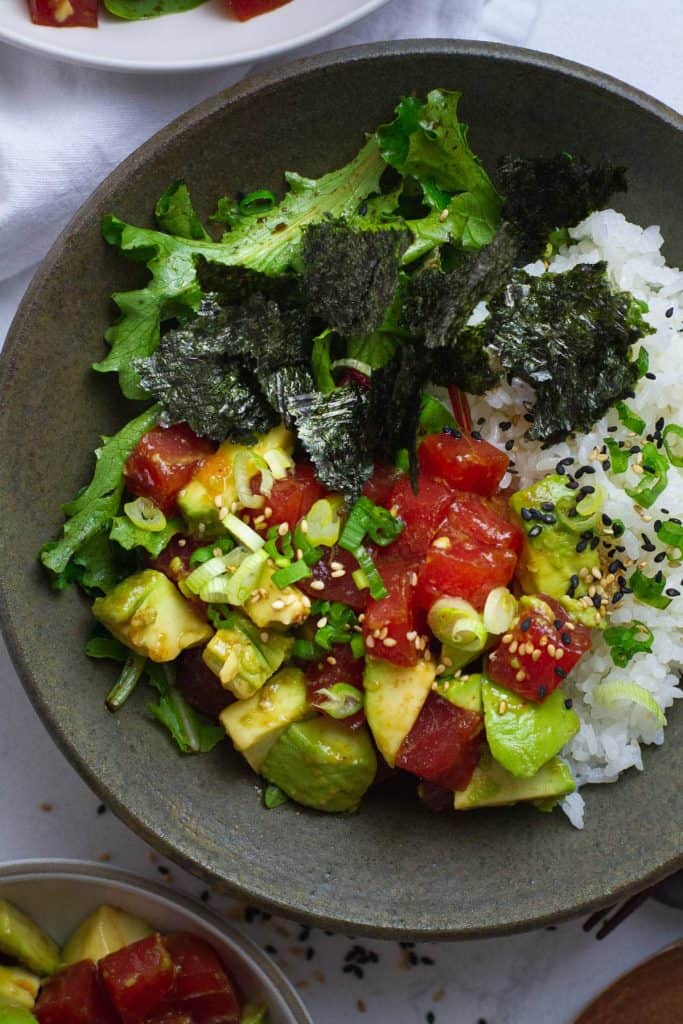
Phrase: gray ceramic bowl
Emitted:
{"points": [[393, 869], [59, 894]]}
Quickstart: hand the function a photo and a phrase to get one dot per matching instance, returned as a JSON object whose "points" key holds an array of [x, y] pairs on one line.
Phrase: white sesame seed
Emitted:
{"points": [[389, 641], [338, 573], [277, 605], [443, 543], [282, 529], [369, 641], [317, 585], [321, 623]]}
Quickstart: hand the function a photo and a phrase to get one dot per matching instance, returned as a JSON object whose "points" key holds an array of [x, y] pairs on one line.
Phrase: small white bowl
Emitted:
{"points": [[59, 894]]}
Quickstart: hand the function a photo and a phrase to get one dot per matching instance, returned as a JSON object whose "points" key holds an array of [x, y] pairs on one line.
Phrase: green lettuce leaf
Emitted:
{"points": [[130, 536], [136, 10], [192, 732]]}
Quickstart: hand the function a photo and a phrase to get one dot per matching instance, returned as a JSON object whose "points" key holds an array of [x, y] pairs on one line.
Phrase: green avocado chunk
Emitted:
{"points": [[254, 725], [16, 1015], [323, 764], [22, 940], [394, 697], [147, 613], [550, 558], [18, 988], [242, 659], [463, 691], [492, 786], [523, 735]]}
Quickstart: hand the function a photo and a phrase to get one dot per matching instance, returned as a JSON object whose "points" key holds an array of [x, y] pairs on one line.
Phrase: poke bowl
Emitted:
{"points": [[57, 915], [394, 867]]}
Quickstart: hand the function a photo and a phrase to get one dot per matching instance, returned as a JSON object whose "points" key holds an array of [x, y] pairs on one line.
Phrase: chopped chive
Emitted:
{"points": [[291, 574]]}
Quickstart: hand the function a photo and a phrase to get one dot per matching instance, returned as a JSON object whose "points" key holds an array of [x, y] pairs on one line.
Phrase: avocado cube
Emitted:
{"points": [[549, 557], [492, 786], [147, 613], [18, 988], [322, 764], [394, 697], [215, 479], [524, 735], [254, 725], [271, 606], [463, 691], [22, 940], [242, 660], [105, 931]]}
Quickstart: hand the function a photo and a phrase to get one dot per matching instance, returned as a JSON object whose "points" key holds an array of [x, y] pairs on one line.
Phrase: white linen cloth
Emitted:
{"points": [[63, 128]]}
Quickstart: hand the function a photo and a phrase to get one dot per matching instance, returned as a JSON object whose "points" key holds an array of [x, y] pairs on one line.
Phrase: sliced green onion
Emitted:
{"points": [[643, 361], [144, 514], [455, 622], [377, 522], [618, 457], [375, 582], [360, 579], [607, 694], [246, 465], [618, 527], [500, 611], [279, 547], [246, 579], [649, 590], [310, 554], [306, 650], [341, 700], [625, 641], [671, 534], [273, 797], [324, 523], [204, 573], [434, 415], [591, 505], [243, 532], [128, 680], [672, 436], [279, 462], [201, 555], [217, 591], [357, 645], [587, 511], [631, 420], [291, 574], [654, 478], [261, 200], [339, 621], [257, 1013], [352, 364]]}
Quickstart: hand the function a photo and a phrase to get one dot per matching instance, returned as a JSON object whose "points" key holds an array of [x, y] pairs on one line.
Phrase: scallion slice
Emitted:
{"points": [[243, 533], [607, 694], [201, 555], [248, 464], [144, 514], [324, 523], [260, 201], [671, 534], [649, 590], [375, 582], [625, 641], [654, 478], [291, 574], [246, 579], [672, 435], [204, 573], [631, 420], [618, 457], [341, 700], [128, 680], [279, 462]]}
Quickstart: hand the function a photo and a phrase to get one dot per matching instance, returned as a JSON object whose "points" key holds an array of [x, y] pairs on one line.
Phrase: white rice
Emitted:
{"points": [[609, 740]]}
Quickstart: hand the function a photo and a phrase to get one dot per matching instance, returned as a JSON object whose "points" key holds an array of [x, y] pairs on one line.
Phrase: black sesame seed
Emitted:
{"points": [[647, 544], [560, 470], [482, 419], [205, 896], [558, 623], [162, 870], [586, 535], [542, 691], [581, 546], [427, 961], [548, 518], [504, 424], [271, 949], [660, 557], [612, 430], [566, 639], [617, 597], [569, 703], [413, 959], [606, 520], [451, 432], [101, 809], [650, 375], [659, 576], [548, 506], [310, 953], [559, 672], [528, 417], [594, 543], [669, 313], [526, 514], [676, 521], [572, 513], [525, 624], [665, 511], [615, 565], [509, 445], [572, 484], [597, 601], [476, 436], [429, 1017], [659, 425], [587, 489], [535, 530], [634, 449], [672, 592]]}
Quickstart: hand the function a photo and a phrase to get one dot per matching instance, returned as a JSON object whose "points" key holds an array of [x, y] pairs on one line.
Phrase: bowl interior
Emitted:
{"points": [[59, 896], [393, 868]]}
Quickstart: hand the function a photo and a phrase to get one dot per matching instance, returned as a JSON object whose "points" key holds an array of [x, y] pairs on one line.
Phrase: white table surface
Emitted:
{"points": [[542, 976]]}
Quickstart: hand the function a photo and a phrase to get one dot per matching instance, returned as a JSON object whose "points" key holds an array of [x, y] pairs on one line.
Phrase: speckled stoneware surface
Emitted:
{"points": [[393, 869]]}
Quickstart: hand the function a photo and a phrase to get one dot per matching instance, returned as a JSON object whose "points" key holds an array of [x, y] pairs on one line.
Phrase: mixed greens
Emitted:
{"points": [[297, 538]]}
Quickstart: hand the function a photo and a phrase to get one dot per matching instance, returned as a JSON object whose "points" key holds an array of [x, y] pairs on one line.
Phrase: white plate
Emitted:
{"points": [[59, 894], [206, 37]]}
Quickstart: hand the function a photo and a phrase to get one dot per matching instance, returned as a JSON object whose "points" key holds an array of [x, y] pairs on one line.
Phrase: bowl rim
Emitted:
{"points": [[48, 868], [265, 81]]}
